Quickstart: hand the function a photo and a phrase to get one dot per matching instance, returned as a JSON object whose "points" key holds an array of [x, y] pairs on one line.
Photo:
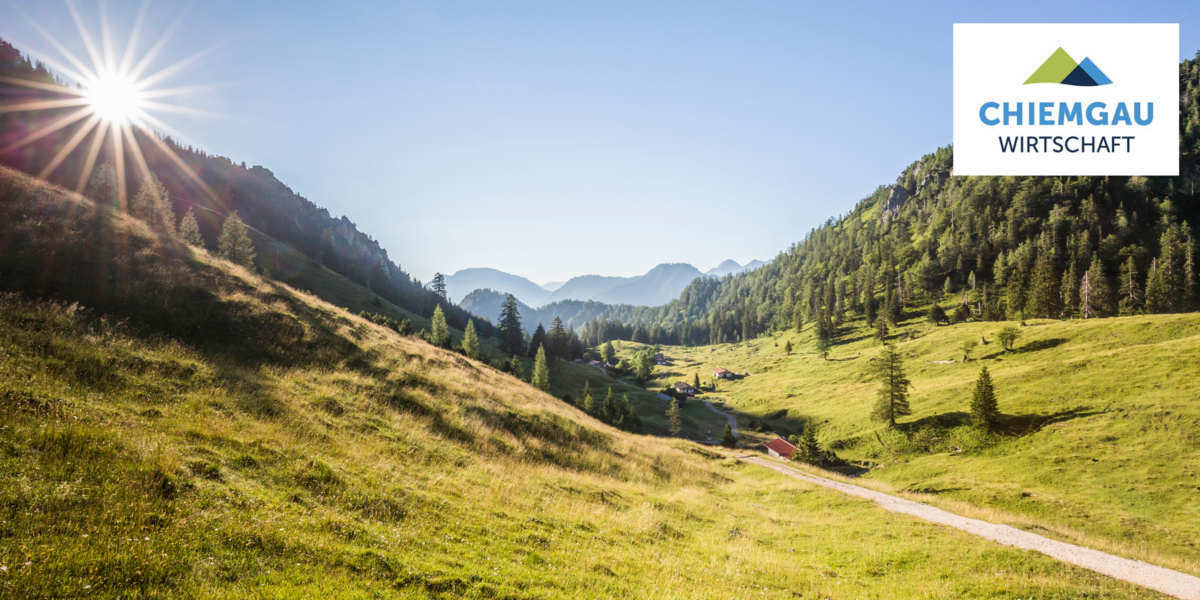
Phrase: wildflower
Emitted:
{"points": [[3, 569]]}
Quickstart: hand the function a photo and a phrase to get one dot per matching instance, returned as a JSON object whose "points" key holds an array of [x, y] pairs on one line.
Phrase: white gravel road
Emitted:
{"points": [[1174, 583], [732, 420]]}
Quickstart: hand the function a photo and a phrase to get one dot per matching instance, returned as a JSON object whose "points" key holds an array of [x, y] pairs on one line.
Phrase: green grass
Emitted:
{"points": [[1099, 443], [194, 430]]}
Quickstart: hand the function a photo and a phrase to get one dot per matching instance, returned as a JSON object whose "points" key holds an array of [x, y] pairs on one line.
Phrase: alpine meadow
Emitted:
{"points": [[211, 387]]}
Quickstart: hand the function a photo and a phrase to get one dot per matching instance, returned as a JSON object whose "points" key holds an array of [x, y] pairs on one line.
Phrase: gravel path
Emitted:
{"points": [[1174, 583], [732, 420]]}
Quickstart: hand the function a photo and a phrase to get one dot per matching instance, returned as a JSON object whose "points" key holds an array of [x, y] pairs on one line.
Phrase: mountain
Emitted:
{"points": [[552, 286], [731, 267], [584, 287], [465, 281], [657, 287], [723, 269]]}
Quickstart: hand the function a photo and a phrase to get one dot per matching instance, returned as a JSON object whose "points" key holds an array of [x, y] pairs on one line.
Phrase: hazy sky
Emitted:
{"points": [[566, 138]]}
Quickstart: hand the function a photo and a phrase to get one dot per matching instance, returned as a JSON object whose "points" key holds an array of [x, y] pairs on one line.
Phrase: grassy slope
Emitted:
{"points": [[1100, 442], [323, 455]]}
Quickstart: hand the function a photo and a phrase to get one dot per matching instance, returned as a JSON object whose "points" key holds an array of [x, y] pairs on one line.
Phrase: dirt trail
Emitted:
{"points": [[732, 420], [1174, 583]]}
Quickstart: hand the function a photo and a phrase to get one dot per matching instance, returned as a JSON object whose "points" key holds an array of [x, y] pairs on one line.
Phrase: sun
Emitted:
{"points": [[113, 102], [115, 99]]}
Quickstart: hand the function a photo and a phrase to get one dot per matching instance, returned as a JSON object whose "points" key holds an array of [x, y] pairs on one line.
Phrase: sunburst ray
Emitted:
{"points": [[115, 99]]}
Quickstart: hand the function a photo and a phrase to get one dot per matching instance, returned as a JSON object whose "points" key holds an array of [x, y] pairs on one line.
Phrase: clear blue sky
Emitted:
{"points": [[553, 139]]}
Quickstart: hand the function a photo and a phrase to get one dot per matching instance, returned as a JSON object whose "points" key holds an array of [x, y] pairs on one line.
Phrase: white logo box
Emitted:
{"points": [[992, 63]]}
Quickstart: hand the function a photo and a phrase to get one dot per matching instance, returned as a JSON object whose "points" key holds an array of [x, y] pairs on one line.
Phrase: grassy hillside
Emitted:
{"points": [[1099, 441], [179, 427]]}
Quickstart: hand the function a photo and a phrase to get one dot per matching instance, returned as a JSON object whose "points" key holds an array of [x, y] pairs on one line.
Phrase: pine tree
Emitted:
{"points": [[514, 366], [675, 419], [471, 340], [234, 245], [892, 400], [610, 413], [541, 372], [1095, 295], [1156, 293], [985, 412], [881, 330], [1129, 289], [189, 230], [696, 382], [823, 346], [441, 333], [152, 204], [1070, 290], [1045, 293], [808, 450], [438, 285], [558, 340], [633, 421], [511, 336], [537, 341], [727, 438], [609, 353], [787, 348], [1189, 276]]}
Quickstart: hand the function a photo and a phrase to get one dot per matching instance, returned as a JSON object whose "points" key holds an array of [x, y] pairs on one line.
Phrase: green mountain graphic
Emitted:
{"points": [[1055, 69]]}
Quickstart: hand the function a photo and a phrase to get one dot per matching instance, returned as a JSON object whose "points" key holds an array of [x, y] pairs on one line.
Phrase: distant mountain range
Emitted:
{"points": [[730, 267], [466, 281], [657, 287]]}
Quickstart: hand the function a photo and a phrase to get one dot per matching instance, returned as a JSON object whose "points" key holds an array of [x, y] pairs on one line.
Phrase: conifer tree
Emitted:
{"points": [[787, 350], [558, 340], [537, 341], [1189, 276], [1095, 295], [1046, 288], [881, 330], [152, 204], [189, 230], [471, 340], [1156, 292], [823, 346], [438, 285], [1129, 289], [696, 381], [727, 438], [1070, 290], [892, 401], [511, 336], [441, 333], [633, 421], [985, 412], [610, 408], [514, 365], [541, 372], [675, 419], [234, 245], [808, 450], [609, 352]]}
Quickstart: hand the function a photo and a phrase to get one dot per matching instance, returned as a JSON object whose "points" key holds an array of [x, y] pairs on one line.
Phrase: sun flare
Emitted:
{"points": [[115, 99]]}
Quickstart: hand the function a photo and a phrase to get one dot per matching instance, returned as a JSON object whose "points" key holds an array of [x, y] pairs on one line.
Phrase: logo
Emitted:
{"points": [[1023, 106], [1061, 68]]}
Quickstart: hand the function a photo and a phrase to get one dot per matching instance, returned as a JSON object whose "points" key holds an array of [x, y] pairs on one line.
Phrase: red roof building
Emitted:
{"points": [[720, 373], [780, 447]]}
